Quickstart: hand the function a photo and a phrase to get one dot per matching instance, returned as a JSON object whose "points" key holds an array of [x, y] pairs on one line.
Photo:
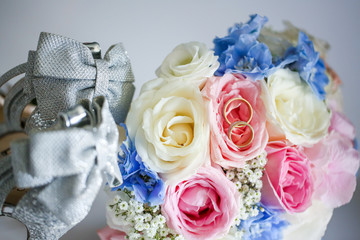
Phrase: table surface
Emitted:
{"points": [[151, 29]]}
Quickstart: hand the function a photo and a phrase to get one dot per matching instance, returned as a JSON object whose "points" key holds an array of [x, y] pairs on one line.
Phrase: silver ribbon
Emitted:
{"points": [[62, 167], [59, 74]]}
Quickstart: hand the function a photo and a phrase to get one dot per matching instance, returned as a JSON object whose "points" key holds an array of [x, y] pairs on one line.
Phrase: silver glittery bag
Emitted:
{"points": [[59, 74], [72, 137]]}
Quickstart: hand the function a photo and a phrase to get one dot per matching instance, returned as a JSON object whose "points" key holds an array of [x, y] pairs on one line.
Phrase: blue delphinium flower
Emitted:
{"points": [[251, 30], [146, 184], [267, 225], [309, 65], [240, 52]]}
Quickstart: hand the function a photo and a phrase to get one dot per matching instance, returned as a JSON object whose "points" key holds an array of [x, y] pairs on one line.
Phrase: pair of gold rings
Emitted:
{"points": [[239, 124]]}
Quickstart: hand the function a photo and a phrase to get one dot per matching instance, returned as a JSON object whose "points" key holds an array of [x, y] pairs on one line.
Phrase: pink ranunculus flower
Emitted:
{"points": [[202, 207], [288, 183], [335, 162], [111, 234], [218, 91]]}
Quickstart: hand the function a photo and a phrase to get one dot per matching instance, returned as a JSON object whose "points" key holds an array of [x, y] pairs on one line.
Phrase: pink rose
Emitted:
{"points": [[111, 234], [334, 163], [218, 91], [203, 206], [287, 180]]}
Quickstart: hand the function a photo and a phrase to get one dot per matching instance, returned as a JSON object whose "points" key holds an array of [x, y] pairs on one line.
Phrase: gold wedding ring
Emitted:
{"points": [[241, 99], [239, 124]]}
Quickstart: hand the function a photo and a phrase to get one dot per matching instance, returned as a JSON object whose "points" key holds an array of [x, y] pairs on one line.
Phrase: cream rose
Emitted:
{"points": [[302, 116], [168, 123], [189, 61]]}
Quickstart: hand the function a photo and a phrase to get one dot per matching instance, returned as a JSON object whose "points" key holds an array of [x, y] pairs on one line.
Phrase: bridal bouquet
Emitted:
{"points": [[246, 141]]}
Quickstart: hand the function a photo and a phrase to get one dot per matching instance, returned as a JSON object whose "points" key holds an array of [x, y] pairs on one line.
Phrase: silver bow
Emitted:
{"points": [[62, 167], [59, 74]]}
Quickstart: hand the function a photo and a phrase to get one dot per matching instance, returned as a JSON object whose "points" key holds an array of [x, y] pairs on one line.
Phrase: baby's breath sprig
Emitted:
{"points": [[144, 221], [248, 182]]}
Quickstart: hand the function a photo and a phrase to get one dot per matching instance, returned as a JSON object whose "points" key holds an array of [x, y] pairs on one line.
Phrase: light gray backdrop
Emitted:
{"points": [[151, 29]]}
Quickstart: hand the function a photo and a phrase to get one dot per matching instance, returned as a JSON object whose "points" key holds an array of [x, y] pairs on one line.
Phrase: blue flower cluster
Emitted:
{"points": [[309, 65], [146, 184], [241, 52], [267, 225]]}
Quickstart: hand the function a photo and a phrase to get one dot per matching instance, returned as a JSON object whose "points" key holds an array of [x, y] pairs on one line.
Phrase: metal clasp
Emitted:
{"points": [[7, 210], [77, 116], [94, 48]]}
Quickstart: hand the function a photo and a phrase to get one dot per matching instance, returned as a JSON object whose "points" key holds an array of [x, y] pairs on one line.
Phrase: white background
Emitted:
{"points": [[151, 29]]}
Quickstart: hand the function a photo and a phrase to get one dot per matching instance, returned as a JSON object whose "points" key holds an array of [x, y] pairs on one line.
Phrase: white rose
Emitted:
{"points": [[335, 101], [302, 116], [168, 122], [310, 224], [191, 61]]}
